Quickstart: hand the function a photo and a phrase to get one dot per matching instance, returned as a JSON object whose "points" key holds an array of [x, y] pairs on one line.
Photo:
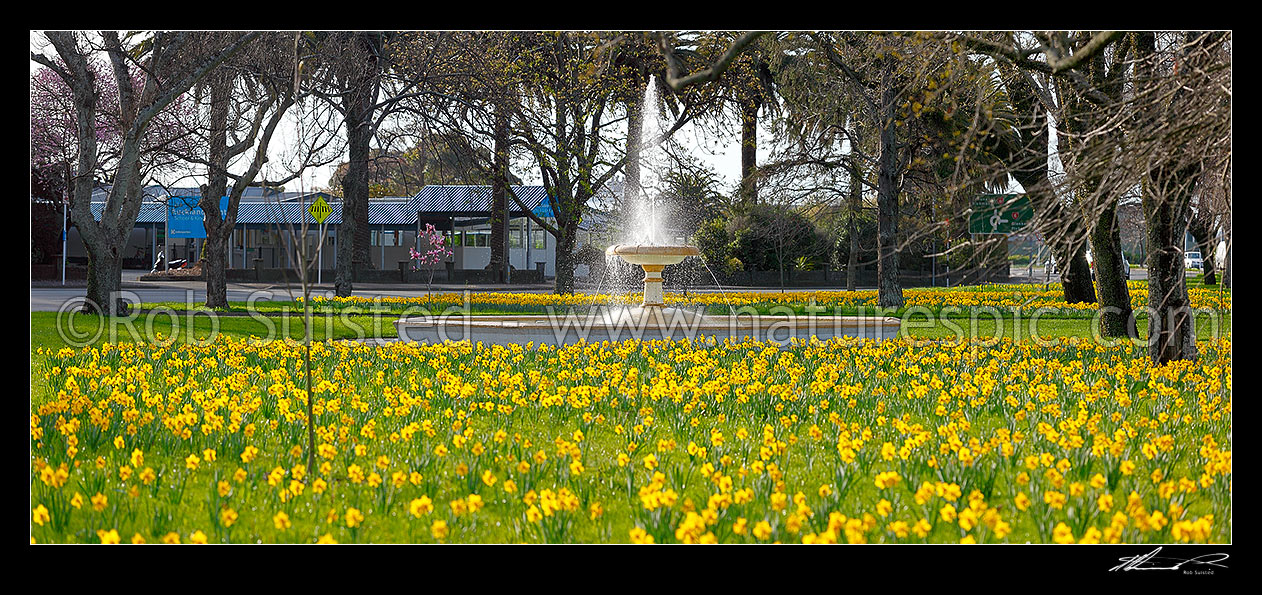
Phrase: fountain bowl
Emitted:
{"points": [[652, 258], [652, 254]]}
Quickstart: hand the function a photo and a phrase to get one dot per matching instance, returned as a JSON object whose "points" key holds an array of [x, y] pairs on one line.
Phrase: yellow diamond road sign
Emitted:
{"points": [[320, 210]]}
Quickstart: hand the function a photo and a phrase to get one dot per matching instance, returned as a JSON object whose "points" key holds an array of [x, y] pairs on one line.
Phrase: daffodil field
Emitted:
{"points": [[843, 441], [965, 299]]}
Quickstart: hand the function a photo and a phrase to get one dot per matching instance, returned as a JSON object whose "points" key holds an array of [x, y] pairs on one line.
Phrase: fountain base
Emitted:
{"points": [[643, 324]]}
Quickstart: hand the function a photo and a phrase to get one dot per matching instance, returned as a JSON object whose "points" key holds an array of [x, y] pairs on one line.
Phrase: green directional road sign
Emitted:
{"points": [[320, 210], [1000, 213]]}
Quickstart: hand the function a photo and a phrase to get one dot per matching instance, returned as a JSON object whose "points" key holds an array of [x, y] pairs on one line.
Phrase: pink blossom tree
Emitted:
{"points": [[437, 253]]}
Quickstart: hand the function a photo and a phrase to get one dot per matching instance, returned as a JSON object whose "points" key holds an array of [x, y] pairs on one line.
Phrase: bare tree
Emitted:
{"points": [[247, 98], [172, 63], [1134, 113], [1186, 82], [562, 100]]}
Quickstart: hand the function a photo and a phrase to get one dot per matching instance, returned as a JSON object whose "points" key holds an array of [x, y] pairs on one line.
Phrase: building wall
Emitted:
{"points": [[138, 245], [249, 243]]}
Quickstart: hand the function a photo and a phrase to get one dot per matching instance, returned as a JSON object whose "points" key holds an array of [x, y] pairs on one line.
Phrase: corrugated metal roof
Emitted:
{"points": [[287, 213], [390, 212], [150, 212], [448, 200], [394, 211], [431, 201]]}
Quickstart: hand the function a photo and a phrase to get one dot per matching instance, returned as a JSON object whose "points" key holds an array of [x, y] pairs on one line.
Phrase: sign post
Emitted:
{"points": [[185, 218], [999, 214], [320, 211], [63, 241]]}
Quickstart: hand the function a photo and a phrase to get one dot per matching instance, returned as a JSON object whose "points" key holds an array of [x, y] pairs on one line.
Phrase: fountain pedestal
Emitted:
{"points": [[652, 258], [653, 295]]}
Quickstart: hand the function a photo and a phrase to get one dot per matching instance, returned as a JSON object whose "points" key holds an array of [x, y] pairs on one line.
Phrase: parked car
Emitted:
{"points": [[1192, 260]]}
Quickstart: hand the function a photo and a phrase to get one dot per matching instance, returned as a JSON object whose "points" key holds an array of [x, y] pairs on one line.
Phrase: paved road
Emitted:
{"points": [[50, 298], [1039, 275]]}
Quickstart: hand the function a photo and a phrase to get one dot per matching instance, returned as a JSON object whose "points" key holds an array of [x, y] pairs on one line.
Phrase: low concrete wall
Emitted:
{"points": [[507, 330], [863, 278]]}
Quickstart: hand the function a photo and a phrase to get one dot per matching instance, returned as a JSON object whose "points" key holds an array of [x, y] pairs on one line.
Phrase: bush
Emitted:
{"points": [[769, 238], [713, 241]]}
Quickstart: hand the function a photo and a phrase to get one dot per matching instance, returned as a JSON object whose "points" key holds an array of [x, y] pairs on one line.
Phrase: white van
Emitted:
{"points": [[1192, 260]]}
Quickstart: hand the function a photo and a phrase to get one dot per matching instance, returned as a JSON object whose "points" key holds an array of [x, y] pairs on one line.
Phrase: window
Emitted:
{"points": [[540, 239], [387, 238], [514, 238]]}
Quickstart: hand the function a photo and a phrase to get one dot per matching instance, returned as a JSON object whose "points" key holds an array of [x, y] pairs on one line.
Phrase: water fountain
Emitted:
{"points": [[652, 319]]}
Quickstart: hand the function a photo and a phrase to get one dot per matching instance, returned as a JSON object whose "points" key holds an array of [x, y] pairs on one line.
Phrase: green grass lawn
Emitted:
{"points": [[44, 328], [44, 332]]}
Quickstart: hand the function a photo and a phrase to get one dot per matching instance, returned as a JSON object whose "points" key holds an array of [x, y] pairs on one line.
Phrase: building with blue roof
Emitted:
{"points": [[264, 216]]}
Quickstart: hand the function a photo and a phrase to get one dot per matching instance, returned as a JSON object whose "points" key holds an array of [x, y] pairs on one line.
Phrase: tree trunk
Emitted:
{"points": [[856, 203], [106, 239], [1210, 268], [105, 276], [780, 258], [1075, 275], [1078, 119], [499, 200], [852, 259], [213, 265], [216, 272], [354, 236], [1168, 185], [1060, 228], [363, 232], [1116, 319], [343, 276], [1170, 323], [749, 154], [1227, 264], [565, 261], [889, 290]]}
